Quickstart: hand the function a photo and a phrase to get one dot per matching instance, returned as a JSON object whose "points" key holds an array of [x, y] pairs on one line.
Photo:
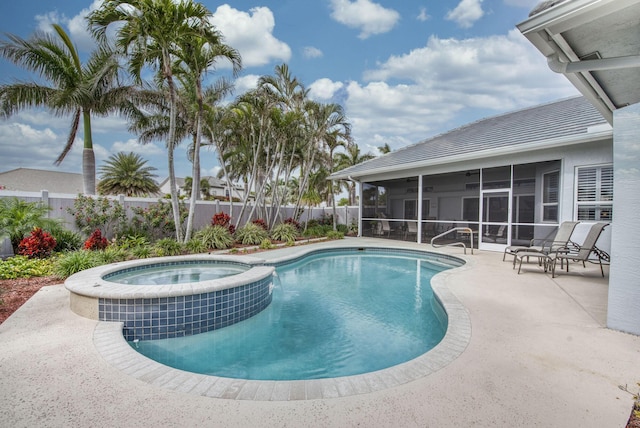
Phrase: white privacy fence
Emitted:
{"points": [[60, 204]]}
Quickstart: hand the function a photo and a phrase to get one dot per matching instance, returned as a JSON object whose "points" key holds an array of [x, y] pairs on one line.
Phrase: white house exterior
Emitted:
{"points": [[509, 178], [596, 45]]}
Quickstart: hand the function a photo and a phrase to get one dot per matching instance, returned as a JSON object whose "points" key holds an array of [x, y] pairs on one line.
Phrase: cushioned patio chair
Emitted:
{"points": [[581, 252], [561, 239]]}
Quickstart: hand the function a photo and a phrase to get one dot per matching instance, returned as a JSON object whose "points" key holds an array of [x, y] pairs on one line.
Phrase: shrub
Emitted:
{"points": [[167, 247], [284, 232], [66, 240], [266, 244], [332, 234], [214, 237], [92, 213], [223, 219], [74, 262], [156, 221], [24, 267], [141, 252], [251, 234], [293, 222], [343, 228], [96, 241], [130, 242], [112, 254], [195, 246], [38, 245], [18, 218], [260, 222], [317, 231]]}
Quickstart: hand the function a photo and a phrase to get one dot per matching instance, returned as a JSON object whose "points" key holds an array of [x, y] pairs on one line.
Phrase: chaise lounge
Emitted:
{"points": [[581, 252], [562, 239]]}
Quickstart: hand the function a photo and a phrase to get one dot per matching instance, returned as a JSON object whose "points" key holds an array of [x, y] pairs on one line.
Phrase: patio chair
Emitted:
{"points": [[384, 228], [411, 229], [581, 252], [547, 245]]}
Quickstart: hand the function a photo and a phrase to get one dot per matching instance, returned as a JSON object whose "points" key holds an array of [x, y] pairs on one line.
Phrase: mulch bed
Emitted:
{"points": [[14, 292]]}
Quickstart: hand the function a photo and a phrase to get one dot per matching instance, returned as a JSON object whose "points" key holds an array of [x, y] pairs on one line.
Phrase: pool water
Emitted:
{"points": [[176, 273], [334, 314]]}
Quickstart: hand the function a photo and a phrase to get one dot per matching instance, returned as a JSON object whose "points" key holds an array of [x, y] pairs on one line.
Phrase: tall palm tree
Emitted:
{"points": [[151, 33], [127, 174], [199, 54], [72, 88], [351, 157]]}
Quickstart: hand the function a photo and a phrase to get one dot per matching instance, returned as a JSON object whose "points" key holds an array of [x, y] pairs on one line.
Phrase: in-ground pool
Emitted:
{"points": [[332, 314]]}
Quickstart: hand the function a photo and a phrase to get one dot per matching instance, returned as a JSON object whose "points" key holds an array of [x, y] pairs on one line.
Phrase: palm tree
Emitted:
{"points": [[127, 174], [384, 149], [199, 54], [205, 187], [351, 157], [72, 88], [151, 33]]}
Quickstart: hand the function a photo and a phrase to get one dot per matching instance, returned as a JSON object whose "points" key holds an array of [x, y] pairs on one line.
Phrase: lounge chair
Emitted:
{"points": [[547, 245], [580, 252], [384, 228]]}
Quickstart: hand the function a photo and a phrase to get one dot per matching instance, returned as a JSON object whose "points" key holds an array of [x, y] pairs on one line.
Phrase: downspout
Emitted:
{"points": [[558, 66]]}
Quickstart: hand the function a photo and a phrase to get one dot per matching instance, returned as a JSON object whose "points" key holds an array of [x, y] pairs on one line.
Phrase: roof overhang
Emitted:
{"points": [[596, 45], [599, 133]]}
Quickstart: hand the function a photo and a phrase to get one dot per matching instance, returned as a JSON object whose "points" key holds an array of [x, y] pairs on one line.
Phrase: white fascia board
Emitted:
{"points": [[599, 134]]}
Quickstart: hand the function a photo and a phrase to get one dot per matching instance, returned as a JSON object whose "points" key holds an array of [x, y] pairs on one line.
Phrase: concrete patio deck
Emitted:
{"points": [[538, 355]]}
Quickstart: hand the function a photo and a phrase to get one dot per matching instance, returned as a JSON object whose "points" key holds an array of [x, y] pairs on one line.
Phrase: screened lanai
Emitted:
{"points": [[503, 205]]}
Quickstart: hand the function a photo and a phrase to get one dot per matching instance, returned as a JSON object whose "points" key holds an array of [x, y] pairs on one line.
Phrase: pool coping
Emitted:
{"points": [[113, 347]]}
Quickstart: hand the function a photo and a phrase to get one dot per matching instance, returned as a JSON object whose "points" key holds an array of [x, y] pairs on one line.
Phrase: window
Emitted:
{"points": [[550, 196], [594, 193]]}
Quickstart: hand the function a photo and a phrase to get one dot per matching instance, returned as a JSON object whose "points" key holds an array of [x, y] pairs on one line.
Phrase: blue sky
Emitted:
{"points": [[403, 70]]}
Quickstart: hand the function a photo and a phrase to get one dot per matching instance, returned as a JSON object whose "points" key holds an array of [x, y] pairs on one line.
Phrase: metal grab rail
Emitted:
{"points": [[455, 244]]}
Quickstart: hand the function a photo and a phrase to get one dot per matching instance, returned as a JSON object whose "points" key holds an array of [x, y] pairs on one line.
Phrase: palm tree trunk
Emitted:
{"points": [[195, 190], [88, 157]]}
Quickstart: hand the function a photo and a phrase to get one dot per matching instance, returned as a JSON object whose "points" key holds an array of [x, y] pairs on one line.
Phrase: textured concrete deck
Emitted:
{"points": [[538, 355]]}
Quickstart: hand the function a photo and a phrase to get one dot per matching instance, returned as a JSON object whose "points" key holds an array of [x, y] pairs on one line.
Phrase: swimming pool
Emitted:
{"points": [[333, 313], [182, 272]]}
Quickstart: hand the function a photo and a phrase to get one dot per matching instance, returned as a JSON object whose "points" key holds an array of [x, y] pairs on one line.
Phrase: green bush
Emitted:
{"points": [[342, 228], [317, 231], [217, 237], [167, 247], [66, 240], [284, 232], [112, 254], [130, 242], [76, 261], [251, 234], [195, 246], [18, 218], [23, 267], [332, 234], [141, 252], [156, 221], [266, 244], [91, 213]]}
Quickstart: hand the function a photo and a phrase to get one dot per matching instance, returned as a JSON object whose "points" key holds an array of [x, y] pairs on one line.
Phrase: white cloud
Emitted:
{"points": [[370, 18], [428, 90], [466, 13], [324, 89], [251, 34], [311, 52], [76, 26], [132, 145], [423, 16], [246, 83]]}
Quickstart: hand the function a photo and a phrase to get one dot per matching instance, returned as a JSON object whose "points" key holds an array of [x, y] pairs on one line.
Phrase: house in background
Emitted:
{"points": [[35, 180], [218, 187]]}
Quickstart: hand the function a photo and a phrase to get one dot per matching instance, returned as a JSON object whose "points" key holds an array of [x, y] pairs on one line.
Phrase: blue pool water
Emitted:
{"points": [[333, 314]]}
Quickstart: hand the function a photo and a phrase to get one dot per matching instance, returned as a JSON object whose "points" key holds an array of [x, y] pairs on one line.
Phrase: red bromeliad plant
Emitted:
{"points": [[39, 244], [260, 222], [96, 241], [224, 220]]}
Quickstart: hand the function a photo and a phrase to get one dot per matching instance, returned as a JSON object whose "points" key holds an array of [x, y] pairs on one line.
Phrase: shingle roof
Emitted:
{"points": [[35, 180], [564, 118]]}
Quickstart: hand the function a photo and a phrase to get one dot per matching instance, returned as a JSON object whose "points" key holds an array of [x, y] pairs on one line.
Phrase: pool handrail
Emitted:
{"points": [[455, 244]]}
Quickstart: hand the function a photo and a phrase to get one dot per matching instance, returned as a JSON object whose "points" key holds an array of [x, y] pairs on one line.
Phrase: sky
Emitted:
{"points": [[404, 71]]}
